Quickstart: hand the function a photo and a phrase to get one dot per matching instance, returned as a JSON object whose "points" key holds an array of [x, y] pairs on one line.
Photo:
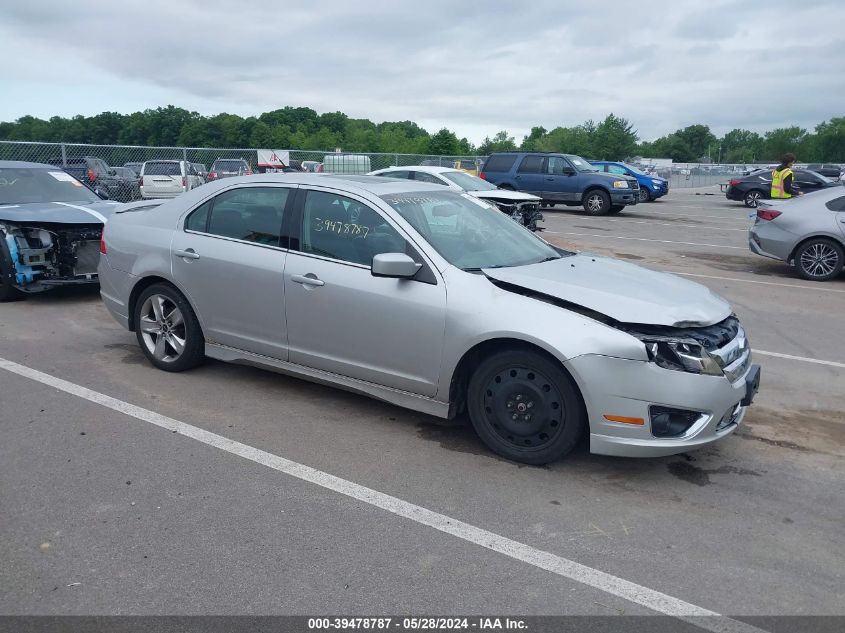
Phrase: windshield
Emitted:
{"points": [[580, 164], [469, 233], [23, 186], [468, 182]]}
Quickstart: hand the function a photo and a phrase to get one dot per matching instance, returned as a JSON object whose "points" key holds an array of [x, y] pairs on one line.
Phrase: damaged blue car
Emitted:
{"points": [[50, 229]]}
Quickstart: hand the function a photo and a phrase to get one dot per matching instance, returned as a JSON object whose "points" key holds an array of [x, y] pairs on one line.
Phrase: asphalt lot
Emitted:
{"points": [[106, 513]]}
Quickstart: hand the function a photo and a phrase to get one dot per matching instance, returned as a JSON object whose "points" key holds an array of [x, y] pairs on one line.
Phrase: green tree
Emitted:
{"points": [[612, 139], [501, 142], [444, 143], [782, 140]]}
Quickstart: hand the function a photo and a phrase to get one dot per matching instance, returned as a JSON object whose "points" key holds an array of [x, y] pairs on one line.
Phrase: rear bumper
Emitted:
{"points": [[766, 239], [731, 193]]}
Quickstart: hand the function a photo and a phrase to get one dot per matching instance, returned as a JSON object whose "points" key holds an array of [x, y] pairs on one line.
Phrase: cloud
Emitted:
{"points": [[474, 69]]}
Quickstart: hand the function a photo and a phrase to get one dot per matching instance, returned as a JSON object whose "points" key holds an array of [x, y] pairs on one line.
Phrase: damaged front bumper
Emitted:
{"points": [[41, 256]]}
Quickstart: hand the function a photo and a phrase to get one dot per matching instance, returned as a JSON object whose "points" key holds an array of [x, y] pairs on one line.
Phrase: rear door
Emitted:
{"points": [[162, 178], [807, 181], [230, 260], [530, 177]]}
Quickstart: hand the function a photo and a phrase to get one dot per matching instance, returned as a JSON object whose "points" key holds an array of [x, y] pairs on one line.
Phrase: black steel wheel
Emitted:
{"points": [[524, 407]]}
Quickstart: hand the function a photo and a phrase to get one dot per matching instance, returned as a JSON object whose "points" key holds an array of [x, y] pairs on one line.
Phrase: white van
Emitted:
{"points": [[346, 164], [167, 178]]}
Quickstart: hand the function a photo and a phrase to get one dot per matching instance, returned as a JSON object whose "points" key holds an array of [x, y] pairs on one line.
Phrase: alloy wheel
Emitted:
{"points": [[162, 327], [819, 260], [595, 202], [643, 194], [752, 198], [524, 407]]}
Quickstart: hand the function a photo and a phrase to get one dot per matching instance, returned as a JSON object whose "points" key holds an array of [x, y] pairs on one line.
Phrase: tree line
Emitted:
{"points": [[613, 138]]}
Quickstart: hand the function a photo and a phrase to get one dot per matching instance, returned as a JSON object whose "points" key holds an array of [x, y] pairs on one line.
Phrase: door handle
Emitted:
{"points": [[307, 280], [188, 253], [549, 178]]}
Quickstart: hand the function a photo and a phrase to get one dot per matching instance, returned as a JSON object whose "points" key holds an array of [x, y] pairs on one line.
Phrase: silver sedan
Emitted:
{"points": [[432, 300], [807, 231]]}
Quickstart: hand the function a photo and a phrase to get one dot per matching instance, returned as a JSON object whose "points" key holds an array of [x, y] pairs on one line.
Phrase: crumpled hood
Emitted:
{"points": [[504, 194], [59, 212], [625, 292]]}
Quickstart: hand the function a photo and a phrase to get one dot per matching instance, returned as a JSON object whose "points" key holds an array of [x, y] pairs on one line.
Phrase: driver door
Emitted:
{"points": [[340, 318]]}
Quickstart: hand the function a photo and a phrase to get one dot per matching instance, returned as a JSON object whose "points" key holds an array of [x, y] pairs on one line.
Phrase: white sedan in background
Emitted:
{"points": [[522, 207]]}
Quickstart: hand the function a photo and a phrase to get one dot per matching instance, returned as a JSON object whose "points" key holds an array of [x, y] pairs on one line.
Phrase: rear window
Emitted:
{"points": [[229, 165], [162, 169], [500, 162]]}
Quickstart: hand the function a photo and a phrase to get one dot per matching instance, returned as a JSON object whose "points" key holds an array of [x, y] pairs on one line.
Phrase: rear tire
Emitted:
{"points": [[752, 198], [524, 407], [167, 329], [819, 259], [596, 202]]}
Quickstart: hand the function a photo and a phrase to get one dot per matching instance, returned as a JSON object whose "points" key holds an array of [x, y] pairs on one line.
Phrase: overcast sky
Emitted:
{"points": [[474, 67]]}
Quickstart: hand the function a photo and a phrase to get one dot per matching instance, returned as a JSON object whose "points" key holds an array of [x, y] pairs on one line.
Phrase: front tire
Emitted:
{"points": [[819, 259], [596, 202], [752, 198], [644, 195], [167, 329], [524, 407]]}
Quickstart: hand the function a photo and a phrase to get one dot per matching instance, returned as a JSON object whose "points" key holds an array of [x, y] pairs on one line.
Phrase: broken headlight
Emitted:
{"points": [[682, 356]]}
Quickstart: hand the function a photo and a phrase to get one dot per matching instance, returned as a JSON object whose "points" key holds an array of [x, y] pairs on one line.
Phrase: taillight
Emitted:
{"points": [[482, 175], [734, 183], [92, 177], [103, 242], [767, 214], [212, 175], [184, 181]]}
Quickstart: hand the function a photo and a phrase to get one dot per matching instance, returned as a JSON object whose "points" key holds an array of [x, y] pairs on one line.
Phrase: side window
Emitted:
{"points": [[837, 204], [500, 163], [556, 165], [341, 228], [531, 165], [426, 177], [253, 214], [395, 174], [616, 169], [198, 220]]}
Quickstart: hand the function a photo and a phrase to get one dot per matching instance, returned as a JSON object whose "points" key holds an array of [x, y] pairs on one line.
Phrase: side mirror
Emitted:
{"points": [[568, 171], [395, 265], [102, 193]]}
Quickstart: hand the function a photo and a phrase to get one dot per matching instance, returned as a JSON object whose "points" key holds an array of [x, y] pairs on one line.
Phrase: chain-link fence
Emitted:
{"points": [[680, 175]]}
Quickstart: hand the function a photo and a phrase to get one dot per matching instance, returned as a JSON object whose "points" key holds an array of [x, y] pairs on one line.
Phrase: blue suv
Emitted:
{"points": [[651, 187], [561, 179]]}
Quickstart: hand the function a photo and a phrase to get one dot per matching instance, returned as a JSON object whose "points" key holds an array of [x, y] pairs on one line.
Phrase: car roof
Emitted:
{"points": [[22, 164], [431, 169], [355, 184]]}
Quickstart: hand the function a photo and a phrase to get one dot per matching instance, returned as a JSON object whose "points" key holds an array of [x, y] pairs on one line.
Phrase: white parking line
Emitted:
{"points": [[649, 598], [646, 239], [830, 363], [688, 226], [816, 288]]}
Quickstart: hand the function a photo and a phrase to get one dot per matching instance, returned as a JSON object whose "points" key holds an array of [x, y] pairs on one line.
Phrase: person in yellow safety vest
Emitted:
{"points": [[782, 179]]}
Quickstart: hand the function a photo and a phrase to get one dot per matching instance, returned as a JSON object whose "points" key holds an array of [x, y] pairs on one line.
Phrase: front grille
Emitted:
{"points": [[87, 258], [735, 357]]}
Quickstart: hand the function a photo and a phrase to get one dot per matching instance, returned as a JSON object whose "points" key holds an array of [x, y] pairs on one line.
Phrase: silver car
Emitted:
{"points": [[432, 300], [807, 232]]}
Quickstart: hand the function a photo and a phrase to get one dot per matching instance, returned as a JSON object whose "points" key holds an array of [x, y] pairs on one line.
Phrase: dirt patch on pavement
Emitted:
{"points": [[810, 430]]}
